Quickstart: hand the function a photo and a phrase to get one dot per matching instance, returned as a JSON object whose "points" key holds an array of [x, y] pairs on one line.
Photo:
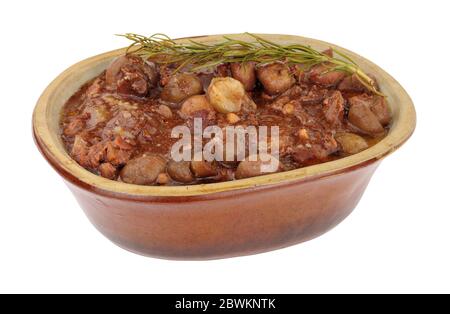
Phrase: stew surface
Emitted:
{"points": [[119, 125]]}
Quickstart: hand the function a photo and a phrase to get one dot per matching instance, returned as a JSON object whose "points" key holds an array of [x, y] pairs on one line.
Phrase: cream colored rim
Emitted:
{"points": [[46, 119]]}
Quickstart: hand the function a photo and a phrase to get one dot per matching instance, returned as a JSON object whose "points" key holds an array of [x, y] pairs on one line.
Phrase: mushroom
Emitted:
{"points": [[180, 171], [143, 170], [203, 169], [195, 104], [245, 73], [180, 87], [257, 165]]}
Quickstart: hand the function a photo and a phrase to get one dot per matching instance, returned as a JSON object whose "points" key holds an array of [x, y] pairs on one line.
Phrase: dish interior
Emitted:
{"points": [[48, 112]]}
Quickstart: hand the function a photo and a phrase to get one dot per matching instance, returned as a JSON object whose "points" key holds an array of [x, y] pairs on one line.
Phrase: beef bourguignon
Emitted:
{"points": [[119, 125]]}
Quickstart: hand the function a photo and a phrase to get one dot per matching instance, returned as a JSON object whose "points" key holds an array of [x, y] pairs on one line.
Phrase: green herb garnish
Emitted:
{"points": [[162, 49]]}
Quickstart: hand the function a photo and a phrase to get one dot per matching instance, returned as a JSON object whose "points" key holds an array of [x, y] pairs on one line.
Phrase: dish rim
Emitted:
{"points": [[403, 126]]}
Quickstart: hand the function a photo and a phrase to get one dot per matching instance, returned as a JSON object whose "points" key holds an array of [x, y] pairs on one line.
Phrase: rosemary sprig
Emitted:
{"points": [[162, 49]]}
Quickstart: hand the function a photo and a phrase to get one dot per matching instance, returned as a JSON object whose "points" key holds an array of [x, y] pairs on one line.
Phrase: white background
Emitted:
{"points": [[398, 238]]}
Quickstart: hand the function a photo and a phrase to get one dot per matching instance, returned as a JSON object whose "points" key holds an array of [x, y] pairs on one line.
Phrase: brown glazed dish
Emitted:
{"points": [[226, 219]]}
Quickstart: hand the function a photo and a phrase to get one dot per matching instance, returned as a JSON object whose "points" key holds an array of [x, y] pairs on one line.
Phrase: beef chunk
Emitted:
{"points": [[117, 156], [108, 171], [380, 108], [333, 108], [96, 154], [353, 84], [369, 113], [275, 77], [322, 74], [314, 145], [362, 117], [79, 151], [131, 75], [75, 126]]}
